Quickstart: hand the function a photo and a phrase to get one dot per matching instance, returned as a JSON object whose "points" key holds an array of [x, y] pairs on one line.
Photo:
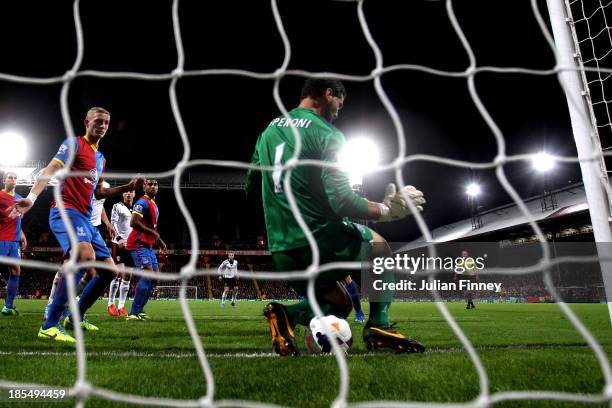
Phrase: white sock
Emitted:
{"points": [[234, 295], [124, 288], [112, 291], [54, 286], [223, 296]]}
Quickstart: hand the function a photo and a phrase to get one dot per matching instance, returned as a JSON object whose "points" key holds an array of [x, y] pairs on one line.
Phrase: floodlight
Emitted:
{"points": [[472, 190], [543, 162], [13, 149], [358, 157]]}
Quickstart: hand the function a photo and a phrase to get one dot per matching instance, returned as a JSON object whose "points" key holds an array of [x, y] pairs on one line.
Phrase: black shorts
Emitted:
{"points": [[122, 255], [231, 282], [103, 231]]}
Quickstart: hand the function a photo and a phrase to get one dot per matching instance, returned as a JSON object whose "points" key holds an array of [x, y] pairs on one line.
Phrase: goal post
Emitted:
{"points": [[584, 128]]}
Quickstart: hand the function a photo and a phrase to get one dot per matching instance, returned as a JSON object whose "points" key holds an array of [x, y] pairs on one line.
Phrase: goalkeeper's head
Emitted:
{"points": [[325, 96]]}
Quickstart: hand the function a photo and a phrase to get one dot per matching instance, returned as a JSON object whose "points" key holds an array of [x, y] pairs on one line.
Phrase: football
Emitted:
{"points": [[317, 342]]}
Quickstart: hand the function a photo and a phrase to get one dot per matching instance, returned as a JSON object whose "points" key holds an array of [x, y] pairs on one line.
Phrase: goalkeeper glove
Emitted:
{"points": [[395, 207]]}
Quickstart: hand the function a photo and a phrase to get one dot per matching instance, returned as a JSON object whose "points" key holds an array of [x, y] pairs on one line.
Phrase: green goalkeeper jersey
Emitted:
{"points": [[323, 194]]}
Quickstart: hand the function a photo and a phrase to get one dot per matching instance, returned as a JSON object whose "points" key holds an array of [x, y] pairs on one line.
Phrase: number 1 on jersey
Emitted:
{"points": [[276, 174]]}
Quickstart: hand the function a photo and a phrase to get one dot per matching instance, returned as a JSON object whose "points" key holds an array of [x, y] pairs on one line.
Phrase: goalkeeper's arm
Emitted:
{"points": [[396, 205], [346, 203]]}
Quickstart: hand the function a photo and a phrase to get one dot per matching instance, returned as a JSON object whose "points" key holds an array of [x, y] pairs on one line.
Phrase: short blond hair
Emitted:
{"points": [[97, 109]]}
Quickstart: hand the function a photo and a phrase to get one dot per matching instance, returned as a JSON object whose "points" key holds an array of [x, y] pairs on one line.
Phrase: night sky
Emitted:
{"points": [[223, 115]]}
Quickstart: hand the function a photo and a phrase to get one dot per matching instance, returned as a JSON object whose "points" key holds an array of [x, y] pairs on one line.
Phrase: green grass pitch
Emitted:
{"points": [[523, 347]]}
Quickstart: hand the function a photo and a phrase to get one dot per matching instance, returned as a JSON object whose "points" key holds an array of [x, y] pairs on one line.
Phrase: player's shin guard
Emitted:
{"points": [[60, 299], [124, 288], [11, 290], [94, 289], [353, 291]]}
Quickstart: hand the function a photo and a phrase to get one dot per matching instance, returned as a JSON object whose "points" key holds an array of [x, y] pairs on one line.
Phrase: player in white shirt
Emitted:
{"points": [[228, 273], [99, 219], [121, 216]]}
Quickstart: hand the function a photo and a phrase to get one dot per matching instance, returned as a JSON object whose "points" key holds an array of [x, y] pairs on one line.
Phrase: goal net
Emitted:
{"points": [[596, 72], [589, 22], [173, 292]]}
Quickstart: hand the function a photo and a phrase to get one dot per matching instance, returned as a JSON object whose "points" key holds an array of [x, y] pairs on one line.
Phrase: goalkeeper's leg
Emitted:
{"points": [[282, 319], [378, 332]]}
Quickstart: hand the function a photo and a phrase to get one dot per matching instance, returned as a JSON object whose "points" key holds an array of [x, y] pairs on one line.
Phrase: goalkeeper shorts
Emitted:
{"points": [[350, 245]]}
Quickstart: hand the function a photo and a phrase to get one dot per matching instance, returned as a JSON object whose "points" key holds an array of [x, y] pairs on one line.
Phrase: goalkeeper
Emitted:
{"points": [[325, 201]]}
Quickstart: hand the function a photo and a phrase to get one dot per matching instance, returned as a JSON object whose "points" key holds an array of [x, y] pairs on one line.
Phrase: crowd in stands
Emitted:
{"points": [[36, 283], [575, 282]]}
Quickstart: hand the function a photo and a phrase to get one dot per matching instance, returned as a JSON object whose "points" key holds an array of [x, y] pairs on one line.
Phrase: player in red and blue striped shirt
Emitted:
{"points": [[77, 194], [12, 240], [144, 235]]}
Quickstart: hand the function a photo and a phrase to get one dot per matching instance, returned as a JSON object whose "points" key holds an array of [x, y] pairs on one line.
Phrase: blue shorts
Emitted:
{"points": [[10, 249], [144, 257], [85, 232]]}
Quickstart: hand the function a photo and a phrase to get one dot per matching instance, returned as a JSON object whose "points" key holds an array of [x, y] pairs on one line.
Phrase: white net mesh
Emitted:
{"points": [[590, 20], [83, 390]]}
